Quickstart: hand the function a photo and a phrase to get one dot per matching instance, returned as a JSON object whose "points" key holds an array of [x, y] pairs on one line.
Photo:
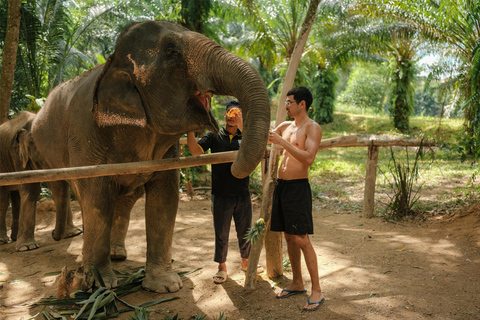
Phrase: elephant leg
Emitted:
{"points": [[29, 194], [121, 221], [4, 201], [15, 199], [98, 197], [64, 227], [160, 213]]}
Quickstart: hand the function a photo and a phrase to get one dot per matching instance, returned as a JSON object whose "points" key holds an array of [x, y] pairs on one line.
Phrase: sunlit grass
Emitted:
{"points": [[336, 170]]}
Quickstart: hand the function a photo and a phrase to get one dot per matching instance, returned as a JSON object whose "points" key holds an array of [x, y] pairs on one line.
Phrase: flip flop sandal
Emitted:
{"points": [[220, 277], [289, 293], [318, 303]]}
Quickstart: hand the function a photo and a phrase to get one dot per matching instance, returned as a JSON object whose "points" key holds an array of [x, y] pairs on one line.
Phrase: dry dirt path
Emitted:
{"points": [[369, 269]]}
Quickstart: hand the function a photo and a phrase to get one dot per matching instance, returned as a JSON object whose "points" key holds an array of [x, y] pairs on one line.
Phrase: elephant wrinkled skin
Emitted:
{"points": [[156, 86], [18, 153]]}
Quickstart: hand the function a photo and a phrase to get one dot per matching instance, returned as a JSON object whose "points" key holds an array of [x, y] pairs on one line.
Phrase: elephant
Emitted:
{"points": [[18, 153], [156, 86]]}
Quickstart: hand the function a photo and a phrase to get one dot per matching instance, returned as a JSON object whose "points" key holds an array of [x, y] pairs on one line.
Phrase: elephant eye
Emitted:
{"points": [[170, 51]]}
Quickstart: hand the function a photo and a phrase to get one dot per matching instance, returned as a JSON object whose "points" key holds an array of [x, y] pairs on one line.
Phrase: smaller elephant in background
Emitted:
{"points": [[18, 153]]}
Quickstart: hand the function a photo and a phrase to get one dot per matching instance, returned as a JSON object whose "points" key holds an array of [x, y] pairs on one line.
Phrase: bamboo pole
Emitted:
{"points": [[273, 243]]}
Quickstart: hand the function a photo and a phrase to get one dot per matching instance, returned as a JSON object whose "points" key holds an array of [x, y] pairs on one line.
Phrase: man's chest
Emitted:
{"points": [[295, 137]]}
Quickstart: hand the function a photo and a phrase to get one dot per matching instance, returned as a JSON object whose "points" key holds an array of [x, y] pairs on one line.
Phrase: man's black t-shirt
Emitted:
{"points": [[223, 182]]}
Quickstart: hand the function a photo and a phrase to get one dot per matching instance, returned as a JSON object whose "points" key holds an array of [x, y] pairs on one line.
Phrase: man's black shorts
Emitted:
{"points": [[292, 207]]}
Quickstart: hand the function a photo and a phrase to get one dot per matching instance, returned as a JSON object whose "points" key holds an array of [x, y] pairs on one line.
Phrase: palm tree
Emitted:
{"points": [[455, 27]]}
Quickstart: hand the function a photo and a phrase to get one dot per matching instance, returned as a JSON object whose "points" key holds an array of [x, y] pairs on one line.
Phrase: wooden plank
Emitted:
{"points": [[370, 180], [32, 176]]}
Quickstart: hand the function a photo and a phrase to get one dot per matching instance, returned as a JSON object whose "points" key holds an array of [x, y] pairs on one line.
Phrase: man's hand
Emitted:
{"points": [[192, 144], [239, 120], [274, 138]]}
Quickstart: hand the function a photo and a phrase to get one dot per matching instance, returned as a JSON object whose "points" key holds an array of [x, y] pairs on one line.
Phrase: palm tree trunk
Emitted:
{"points": [[9, 57], [273, 242]]}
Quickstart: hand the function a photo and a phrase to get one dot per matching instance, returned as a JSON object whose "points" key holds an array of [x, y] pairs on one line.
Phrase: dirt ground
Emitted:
{"points": [[369, 268]]}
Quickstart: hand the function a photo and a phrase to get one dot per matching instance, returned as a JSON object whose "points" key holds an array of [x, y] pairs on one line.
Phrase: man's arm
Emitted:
{"points": [[279, 130], [312, 142], [193, 146]]}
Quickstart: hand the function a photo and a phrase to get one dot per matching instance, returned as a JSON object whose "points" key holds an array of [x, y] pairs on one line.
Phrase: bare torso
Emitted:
{"points": [[301, 138]]}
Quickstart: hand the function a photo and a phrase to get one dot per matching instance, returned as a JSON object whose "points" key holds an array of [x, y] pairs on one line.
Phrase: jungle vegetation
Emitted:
{"points": [[368, 54]]}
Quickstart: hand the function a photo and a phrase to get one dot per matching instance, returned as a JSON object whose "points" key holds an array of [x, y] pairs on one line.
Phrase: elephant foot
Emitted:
{"points": [[109, 278], [118, 252], [70, 231], [26, 245], [167, 282], [4, 239]]}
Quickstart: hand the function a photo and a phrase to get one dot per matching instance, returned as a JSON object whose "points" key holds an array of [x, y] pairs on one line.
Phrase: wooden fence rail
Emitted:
{"points": [[372, 142]]}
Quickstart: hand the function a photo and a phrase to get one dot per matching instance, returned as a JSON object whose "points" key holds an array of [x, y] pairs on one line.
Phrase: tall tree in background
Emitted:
{"points": [[194, 14], [403, 75], [455, 25], [9, 57]]}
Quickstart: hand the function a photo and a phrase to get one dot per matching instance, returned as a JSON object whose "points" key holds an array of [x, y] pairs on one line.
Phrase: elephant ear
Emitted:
{"points": [[116, 100], [21, 145]]}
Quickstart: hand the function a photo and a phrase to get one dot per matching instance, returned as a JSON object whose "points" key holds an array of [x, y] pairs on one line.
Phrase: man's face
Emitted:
{"points": [[291, 106], [233, 116]]}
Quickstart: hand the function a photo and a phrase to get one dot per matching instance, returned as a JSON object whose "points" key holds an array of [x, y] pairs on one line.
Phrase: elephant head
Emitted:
{"points": [[22, 142], [162, 76]]}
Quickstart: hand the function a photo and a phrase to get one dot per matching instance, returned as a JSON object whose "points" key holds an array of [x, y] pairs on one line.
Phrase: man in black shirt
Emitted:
{"points": [[230, 196]]}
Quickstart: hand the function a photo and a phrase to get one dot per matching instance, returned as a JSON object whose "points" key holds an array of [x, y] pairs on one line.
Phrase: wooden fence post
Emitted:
{"points": [[370, 180], [273, 240]]}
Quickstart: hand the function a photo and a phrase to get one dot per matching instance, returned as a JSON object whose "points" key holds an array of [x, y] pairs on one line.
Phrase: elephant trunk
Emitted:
{"points": [[231, 75]]}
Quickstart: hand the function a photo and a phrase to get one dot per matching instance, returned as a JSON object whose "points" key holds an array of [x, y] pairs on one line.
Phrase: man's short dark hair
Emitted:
{"points": [[301, 93], [233, 103]]}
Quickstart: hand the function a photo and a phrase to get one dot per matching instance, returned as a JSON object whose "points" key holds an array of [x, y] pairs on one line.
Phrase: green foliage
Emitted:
{"points": [[194, 14], [35, 104], [454, 28], [141, 314], [221, 317], [324, 92], [366, 87], [403, 184], [103, 303], [425, 104], [254, 233]]}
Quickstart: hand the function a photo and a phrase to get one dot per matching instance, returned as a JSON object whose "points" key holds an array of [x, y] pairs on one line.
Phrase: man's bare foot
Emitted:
{"points": [[314, 301]]}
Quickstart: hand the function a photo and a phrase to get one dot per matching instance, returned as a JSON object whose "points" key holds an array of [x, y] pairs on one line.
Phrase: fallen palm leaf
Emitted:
{"points": [[102, 302], [184, 273]]}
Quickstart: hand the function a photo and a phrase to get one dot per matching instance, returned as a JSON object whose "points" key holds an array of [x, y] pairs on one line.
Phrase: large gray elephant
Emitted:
{"points": [[155, 87], [18, 153]]}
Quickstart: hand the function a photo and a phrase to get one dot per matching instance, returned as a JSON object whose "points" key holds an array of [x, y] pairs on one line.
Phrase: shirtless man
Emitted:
{"points": [[292, 198]]}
